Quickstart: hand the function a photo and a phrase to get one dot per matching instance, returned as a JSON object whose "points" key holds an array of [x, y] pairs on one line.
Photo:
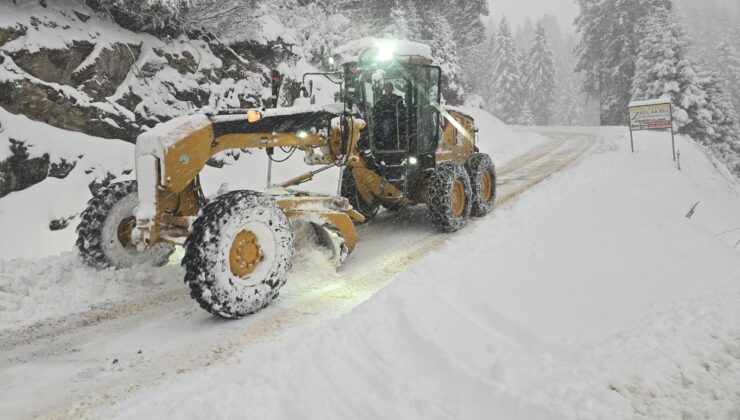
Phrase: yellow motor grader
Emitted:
{"points": [[395, 144]]}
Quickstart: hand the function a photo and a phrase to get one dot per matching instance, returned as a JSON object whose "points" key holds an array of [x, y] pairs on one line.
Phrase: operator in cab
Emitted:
{"points": [[390, 120]]}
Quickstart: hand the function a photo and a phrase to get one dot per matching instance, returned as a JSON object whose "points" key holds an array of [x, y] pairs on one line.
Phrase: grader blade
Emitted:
{"points": [[332, 239], [332, 218]]}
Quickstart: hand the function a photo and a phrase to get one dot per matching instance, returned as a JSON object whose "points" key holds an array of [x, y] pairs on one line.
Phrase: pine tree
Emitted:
{"points": [[610, 32], [468, 30], [664, 71], [404, 21], [440, 39], [506, 99], [724, 114], [570, 108], [701, 108], [541, 77], [725, 139], [525, 116], [480, 84], [727, 59], [525, 33]]}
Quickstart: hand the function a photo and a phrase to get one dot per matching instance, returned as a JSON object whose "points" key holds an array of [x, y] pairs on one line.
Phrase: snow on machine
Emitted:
{"points": [[396, 145]]}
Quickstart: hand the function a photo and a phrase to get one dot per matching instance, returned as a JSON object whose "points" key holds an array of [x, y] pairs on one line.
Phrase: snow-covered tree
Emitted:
{"points": [[664, 70], [525, 116], [725, 127], [541, 77], [725, 134], [441, 39], [570, 106], [506, 99], [727, 60], [610, 32], [524, 34], [465, 19], [469, 32], [480, 84], [404, 22], [143, 15]]}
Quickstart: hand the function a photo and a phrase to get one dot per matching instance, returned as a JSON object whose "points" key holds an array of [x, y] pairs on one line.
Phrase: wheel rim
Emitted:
{"points": [[245, 254], [458, 198], [486, 186], [124, 231]]}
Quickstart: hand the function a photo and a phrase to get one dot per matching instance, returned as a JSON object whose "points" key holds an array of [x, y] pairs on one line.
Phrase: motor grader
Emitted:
{"points": [[238, 245]]}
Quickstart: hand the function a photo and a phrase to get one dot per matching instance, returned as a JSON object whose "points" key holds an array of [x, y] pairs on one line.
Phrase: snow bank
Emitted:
{"points": [[498, 139], [593, 296], [33, 290]]}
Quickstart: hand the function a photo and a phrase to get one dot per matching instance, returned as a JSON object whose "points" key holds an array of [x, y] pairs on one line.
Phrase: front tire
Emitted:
{"points": [[104, 232], [449, 197], [238, 254]]}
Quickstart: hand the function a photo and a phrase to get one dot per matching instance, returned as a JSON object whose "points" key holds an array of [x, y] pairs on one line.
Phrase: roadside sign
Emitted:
{"points": [[651, 117], [654, 114]]}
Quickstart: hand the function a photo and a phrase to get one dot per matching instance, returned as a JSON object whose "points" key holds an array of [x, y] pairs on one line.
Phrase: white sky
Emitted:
{"points": [[517, 11]]}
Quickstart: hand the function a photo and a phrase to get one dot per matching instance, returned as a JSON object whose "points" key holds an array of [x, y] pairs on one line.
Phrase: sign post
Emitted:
{"points": [[654, 115]]}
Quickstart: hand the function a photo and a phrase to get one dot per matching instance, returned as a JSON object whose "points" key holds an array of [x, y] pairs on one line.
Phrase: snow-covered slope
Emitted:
{"points": [[26, 216], [593, 296], [105, 80]]}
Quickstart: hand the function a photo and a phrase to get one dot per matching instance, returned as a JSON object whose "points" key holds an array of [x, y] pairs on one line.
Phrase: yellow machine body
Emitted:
{"points": [[177, 154]]}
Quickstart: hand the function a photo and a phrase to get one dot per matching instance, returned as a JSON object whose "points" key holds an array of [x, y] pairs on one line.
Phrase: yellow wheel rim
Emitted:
{"points": [[245, 254], [486, 186], [124, 231], [458, 198]]}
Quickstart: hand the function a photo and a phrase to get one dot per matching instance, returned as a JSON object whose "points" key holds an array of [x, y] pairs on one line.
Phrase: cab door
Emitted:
{"points": [[426, 132]]}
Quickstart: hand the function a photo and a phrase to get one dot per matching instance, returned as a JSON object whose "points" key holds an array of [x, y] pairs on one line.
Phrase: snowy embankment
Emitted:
{"points": [[37, 283], [592, 296]]}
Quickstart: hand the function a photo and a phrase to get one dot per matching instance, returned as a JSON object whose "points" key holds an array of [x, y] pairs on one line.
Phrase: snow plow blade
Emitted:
{"points": [[332, 218], [332, 239]]}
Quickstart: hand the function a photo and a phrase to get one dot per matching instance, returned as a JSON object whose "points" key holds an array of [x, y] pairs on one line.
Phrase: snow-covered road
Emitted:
{"points": [[74, 365]]}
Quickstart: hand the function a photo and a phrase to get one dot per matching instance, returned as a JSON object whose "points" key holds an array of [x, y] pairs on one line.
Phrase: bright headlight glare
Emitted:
{"points": [[412, 160], [386, 51], [302, 134]]}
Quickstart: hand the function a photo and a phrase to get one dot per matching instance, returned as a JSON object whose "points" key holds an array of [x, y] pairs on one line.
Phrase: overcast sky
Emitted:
{"points": [[516, 11]]}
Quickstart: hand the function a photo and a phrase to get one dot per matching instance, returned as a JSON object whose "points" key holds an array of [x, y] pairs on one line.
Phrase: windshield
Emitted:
{"points": [[385, 105], [399, 103]]}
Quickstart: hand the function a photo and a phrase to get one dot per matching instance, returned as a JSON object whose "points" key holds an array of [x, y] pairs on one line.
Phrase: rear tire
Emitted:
{"points": [[104, 232], [226, 277], [448, 185], [482, 174], [350, 192]]}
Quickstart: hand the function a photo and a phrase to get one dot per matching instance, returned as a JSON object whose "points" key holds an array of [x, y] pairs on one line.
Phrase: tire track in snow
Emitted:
{"points": [[335, 293]]}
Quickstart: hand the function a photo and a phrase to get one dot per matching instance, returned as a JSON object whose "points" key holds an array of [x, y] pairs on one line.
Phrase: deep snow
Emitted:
{"points": [[593, 296]]}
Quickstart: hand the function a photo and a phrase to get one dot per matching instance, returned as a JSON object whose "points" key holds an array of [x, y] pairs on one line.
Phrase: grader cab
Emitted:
{"points": [[394, 143]]}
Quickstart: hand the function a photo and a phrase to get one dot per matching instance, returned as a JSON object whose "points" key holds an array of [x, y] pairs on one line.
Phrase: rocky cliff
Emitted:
{"points": [[73, 68]]}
